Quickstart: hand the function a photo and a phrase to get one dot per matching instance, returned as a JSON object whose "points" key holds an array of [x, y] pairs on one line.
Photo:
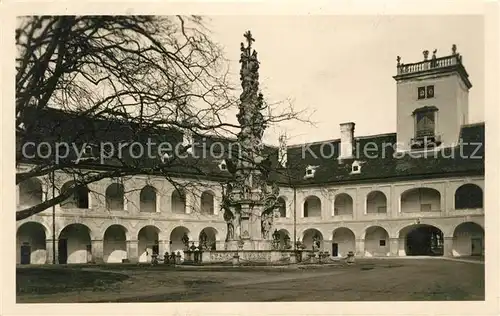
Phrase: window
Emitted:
{"points": [[382, 243], [430, 92], [421, 93], [355, 168], [309, 171], [425, 128], [426, 92], [223, 165], [425, 124]]}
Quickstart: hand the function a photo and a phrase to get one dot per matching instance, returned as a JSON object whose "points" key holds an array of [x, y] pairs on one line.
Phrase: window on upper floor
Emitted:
{"points": [[425, 128], [426, 92], [425, 123]]}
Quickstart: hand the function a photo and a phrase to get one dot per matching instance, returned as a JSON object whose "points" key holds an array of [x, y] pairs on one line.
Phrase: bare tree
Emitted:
{"points": [[118, 79]]}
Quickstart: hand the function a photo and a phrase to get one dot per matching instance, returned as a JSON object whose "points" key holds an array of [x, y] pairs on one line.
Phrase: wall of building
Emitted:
{"points": [[127, 244]]}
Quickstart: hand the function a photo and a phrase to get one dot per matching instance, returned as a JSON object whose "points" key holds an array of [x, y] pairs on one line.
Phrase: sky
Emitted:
{"points": [[340, 68]]}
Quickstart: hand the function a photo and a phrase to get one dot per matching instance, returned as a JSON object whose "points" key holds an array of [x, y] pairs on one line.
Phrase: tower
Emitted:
{"points": [[432, 101]]}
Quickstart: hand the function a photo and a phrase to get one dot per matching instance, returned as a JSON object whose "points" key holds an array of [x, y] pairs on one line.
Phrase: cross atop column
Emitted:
{"points": [[250, 39]]}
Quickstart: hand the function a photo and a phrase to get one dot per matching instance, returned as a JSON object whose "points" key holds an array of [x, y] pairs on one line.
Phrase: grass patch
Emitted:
{"points": [[57, 280]]}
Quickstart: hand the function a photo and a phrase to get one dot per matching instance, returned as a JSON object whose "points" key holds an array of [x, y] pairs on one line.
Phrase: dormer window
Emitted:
{"points": [[310, 171], [165, 157], [356, 167], [223, 165], [88, 152]]}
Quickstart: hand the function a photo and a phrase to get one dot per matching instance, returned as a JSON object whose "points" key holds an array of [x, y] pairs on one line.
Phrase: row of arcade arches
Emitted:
{"points": [[31, 193], [467, 196], [74, 243], [413, 240]]}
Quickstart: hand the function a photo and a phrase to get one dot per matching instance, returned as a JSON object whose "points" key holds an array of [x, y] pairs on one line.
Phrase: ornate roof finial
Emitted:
{"points": [[426, 54], [434, 53], [454, 49], [399, 60]]}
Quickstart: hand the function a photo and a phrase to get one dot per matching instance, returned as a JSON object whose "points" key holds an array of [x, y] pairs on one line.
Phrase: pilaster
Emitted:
{"points": [[97, 250], [133, 251], [49, 250]]}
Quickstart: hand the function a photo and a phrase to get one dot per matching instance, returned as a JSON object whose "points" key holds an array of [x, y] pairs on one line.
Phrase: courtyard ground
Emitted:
{"points": [[366, 280]]}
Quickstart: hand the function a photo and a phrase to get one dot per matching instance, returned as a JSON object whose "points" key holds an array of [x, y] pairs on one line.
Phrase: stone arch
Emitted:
{"points": [[282, 206], [285, 239], [30, 192], [376, 241], [421, 239], [468, 196], [208, 238], [343, 241], [420, 200], [115, 197], [148, 199], [74, 244], [148, 242], [115, 244], [178, 201], [207, 202], [343, 205], [79, 198], [376, 203], [31, 243], [308, 238], [176, 243], [312, 206], [468, 240]]}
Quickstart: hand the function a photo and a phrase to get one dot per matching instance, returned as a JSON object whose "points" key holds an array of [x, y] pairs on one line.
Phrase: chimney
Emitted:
{"points": [[282, 151], [346, 140]]}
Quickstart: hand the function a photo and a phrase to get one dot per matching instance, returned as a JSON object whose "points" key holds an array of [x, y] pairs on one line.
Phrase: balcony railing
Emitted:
{"points": [[433, 63]]}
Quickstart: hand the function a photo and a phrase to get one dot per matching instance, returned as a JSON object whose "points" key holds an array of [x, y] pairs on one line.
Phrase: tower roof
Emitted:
{"points": [[433, 66]]}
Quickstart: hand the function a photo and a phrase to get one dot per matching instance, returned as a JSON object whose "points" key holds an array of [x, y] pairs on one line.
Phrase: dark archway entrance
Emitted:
{"points": [[424, 240]]}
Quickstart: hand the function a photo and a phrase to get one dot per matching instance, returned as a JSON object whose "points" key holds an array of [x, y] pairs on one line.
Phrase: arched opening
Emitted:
{"points": [[30, 244], [311, 236], [376, 242], [376, 203], [343, 205], [285, 241], [178, 202], [79, 198], [422, 240], [115, 195], [312, 207], [148, 199], [148, 243], [207, 203], [30, 192], [468, 196], [421, 200], [468, 240], [282, 206], [208, 239], [74, 244], [115, 244], [343, 241], [176, 239]]}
